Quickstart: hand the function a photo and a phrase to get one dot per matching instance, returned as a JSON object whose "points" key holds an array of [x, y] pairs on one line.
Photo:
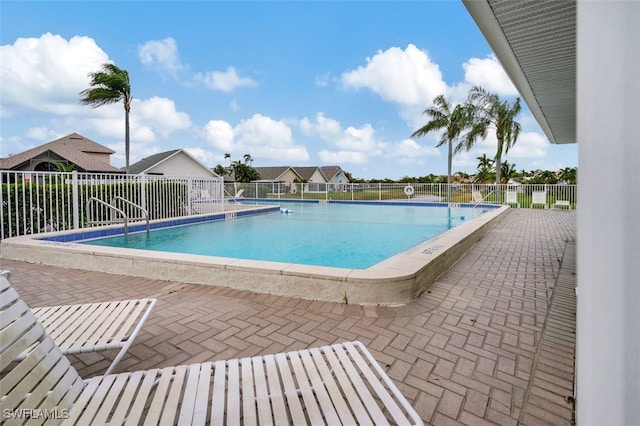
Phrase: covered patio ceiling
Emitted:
{"points": [[536, 45]]}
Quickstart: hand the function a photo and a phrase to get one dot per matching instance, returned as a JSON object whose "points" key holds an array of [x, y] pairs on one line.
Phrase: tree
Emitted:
{"points": [[108, 86], [491, 111], [544, 176], [507, 171], [569, 175], [484, 175], [243, 172], [453, 122], [219, 170], [484, 162]]}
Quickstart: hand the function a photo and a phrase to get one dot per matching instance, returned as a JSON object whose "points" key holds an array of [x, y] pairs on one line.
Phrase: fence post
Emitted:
{"points": [[75, 200], [143, 191]]}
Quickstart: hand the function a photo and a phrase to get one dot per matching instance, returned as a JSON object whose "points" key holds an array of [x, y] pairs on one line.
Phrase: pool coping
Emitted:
{"points": [[395, 281]]}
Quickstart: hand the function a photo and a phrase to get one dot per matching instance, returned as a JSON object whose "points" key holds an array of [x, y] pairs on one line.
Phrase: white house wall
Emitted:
{"points": [[180, 165], [608, 240]]}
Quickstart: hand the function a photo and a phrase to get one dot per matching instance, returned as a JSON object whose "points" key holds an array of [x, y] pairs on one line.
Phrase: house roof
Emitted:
{"points": [[330, 171], [536, 44], [273, 173], [73, 147], [148, 162], [307, 172]]}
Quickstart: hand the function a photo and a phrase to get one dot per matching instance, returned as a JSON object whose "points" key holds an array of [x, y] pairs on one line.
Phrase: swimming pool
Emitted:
{"points": [[341, 235], [393, 281]]}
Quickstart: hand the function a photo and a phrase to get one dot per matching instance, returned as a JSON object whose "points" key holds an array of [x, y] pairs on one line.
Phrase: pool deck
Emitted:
{"points": [[491, 341]]}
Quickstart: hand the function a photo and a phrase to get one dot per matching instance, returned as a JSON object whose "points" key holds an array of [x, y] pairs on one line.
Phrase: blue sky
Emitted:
{"points": [[290, 83]]}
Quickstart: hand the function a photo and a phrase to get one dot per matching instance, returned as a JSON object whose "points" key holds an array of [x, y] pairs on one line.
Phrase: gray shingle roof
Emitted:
{"points": [[307, 171], [271, 173], [152, 160]]}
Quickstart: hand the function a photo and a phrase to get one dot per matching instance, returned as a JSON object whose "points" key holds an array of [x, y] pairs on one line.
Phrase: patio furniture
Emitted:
{"points": [[561, 204], [511, 197], [92, 327], [477, 197], [341, 383], [539, 198]]}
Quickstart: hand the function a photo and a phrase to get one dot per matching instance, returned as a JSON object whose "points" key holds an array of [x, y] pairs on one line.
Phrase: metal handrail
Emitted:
{"points": [[112, 207], [483, 198], [143, 210]]}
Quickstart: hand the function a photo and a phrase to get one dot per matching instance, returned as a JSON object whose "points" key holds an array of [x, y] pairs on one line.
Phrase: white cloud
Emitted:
{"points": [[489, 74], [46, 74], [342, 157], [260, 136], [350, 145], [219, 134], [406, 77], [204, 156], [162, 54], [160, 114], [321, 80], [409, 148], [529, 145], [361, 139], [225, 81]]}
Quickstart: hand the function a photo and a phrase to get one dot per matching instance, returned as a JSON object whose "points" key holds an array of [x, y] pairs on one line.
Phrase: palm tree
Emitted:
{"points": [[569, 175], [484, 162], [484, 175], [452, 121], [490, 111], [248, 159], [507, 171], [108, 86]]}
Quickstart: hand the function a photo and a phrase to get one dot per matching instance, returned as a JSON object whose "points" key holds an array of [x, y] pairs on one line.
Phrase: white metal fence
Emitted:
{"points": [[522, 196], [34, 202]]}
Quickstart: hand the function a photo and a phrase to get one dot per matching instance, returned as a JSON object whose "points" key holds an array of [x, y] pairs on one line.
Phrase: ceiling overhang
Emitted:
{"points": [[535, 41]]}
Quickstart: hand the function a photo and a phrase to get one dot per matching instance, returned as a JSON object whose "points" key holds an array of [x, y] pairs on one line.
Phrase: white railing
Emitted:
{"points": [[520, 196], [34, 202]]}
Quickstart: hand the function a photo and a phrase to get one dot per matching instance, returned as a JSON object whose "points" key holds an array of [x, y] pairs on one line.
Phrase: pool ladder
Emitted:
{"points": [[113, 208]]}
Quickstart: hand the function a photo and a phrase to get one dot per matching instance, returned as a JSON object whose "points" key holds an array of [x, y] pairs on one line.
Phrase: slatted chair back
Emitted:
{"points": [[43, 385]]}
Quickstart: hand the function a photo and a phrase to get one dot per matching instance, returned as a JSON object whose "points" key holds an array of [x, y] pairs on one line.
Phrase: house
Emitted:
{"points": [[177, 162], [278, 174], [282, 178], [560, 56], [74, 150], [313, 178], [336, 177]]}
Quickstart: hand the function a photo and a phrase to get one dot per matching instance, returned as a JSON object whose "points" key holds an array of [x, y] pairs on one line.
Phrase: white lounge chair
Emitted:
{"points": [[92, 327], [337, 384], [511, 197], [477, 197], [539, 198], [562, 204]]}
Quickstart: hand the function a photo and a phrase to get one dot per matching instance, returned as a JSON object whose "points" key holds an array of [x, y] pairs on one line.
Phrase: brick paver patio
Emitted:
{"points": [[491, 341]]}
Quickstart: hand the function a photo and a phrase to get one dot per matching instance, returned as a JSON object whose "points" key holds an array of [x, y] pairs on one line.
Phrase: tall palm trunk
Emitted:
{"points": [[127, 110], [498, 163]]}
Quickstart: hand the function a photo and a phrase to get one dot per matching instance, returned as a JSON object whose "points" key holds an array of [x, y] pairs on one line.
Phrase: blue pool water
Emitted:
{"points": [[331, 234]]}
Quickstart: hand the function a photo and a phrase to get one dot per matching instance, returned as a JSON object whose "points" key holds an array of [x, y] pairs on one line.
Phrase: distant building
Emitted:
{"points": [[177, 162], [73, 150], [335, 176]]}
